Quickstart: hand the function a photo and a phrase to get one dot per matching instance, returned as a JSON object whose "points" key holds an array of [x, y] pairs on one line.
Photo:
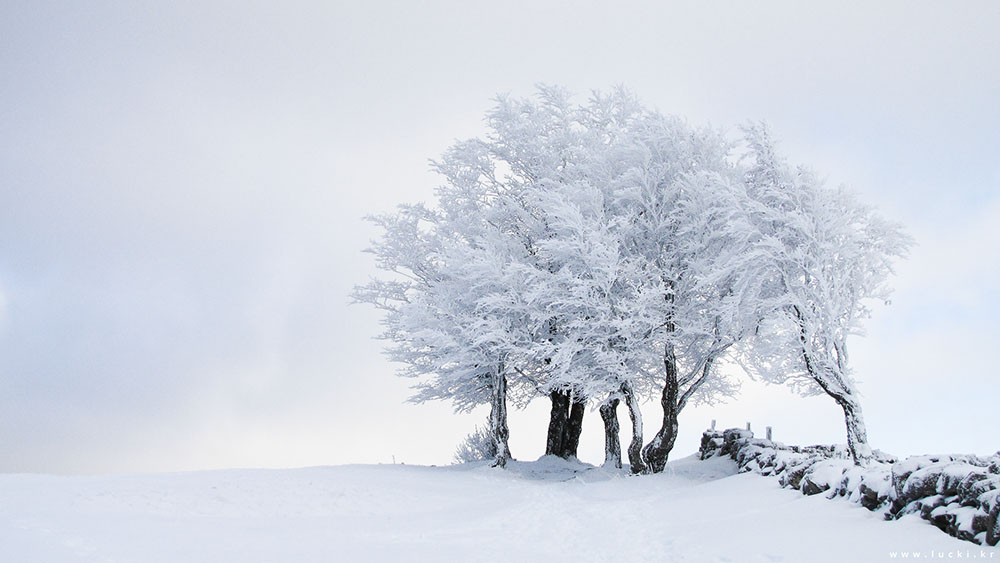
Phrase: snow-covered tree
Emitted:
{"points": [[446, 312], [455, 310], [825, 256], [647, 292], [594, 298], [711, 303], [604, 253]]}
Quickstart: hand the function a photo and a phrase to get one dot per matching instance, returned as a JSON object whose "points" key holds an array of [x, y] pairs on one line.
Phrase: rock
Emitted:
{"points": [[870, 498], [952, 475], [926, 506], [810, 487], [883, 457], [766, 461], [711, 444], [792, 477], [973, 485], [920, 484], [824, 475], [945, 522], [732, 440], [850, 481], [994, 467], [993, 526], [980, 523], [902, 470]]}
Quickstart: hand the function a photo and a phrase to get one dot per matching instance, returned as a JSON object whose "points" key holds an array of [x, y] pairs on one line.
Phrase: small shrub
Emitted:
{"points": [[477, 446]]}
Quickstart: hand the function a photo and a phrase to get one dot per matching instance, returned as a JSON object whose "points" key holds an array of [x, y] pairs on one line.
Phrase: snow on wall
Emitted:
{"points": [[960, 494]]}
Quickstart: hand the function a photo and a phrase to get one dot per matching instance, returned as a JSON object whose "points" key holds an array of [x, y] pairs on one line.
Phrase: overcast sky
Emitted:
{"points": [[182, 186]]}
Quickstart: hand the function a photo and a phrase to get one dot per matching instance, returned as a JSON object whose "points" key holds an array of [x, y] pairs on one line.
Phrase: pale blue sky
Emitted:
{"points": [[181, 187]]}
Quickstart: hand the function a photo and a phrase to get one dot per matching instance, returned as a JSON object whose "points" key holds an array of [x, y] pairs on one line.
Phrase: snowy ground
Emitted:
{"points": [[547, 510]]}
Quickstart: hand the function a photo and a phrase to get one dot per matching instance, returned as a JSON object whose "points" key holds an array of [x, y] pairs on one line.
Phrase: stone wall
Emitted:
{"points": [[960, 494]]}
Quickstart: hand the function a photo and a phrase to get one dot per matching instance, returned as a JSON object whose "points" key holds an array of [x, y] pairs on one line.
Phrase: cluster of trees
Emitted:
{"points": [[604, 253]]}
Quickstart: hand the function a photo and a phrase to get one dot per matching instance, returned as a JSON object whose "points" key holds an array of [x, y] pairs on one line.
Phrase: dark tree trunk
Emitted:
{"points": [[635, 446], [498, 417], [574, 427], [565, 425], [842, 392], [857, 435], [555, 443], [612, 444], [658, 449]]}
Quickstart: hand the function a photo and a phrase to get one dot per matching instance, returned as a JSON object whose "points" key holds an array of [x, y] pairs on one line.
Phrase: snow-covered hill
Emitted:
{"points": [[547, 510]]}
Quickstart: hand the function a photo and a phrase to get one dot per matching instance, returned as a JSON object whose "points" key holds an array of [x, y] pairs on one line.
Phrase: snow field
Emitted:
{"points": [[546, 510]]}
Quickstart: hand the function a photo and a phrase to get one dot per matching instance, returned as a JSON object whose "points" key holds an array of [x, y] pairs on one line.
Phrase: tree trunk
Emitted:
{"points": [[574, 427], [836, 385], [635, 415], [857, 435], [612, 444], [565, 425], [498, 417], [658, 449], [555, 443]]}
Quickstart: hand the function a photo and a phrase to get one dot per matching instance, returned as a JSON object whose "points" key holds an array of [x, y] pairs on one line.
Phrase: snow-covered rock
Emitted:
{"points": [[824, 475]]}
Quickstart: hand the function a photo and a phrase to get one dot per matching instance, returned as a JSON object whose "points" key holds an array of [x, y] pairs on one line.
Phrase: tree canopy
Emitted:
{"points": [[604, 251]]}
